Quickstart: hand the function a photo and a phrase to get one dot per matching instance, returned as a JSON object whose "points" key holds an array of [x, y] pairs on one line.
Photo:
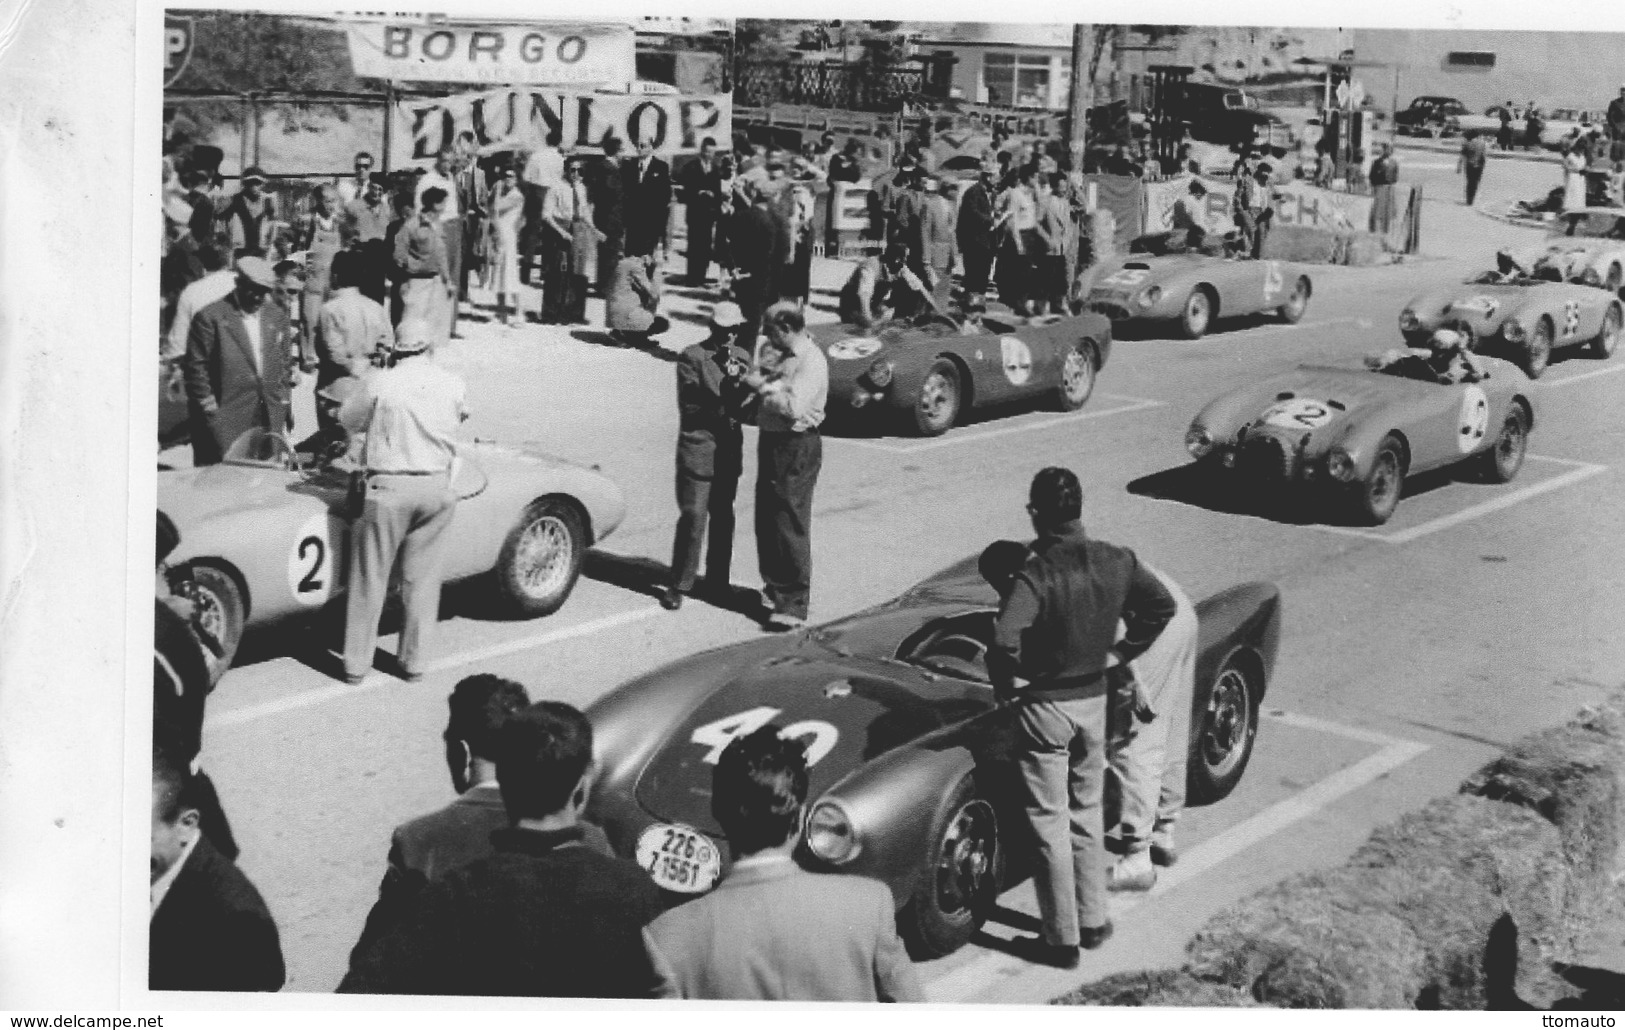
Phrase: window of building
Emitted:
{"points": [[1013, 80], [1470, 60]]}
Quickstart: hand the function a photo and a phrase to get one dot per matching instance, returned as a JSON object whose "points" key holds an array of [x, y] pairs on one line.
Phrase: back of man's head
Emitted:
{"points": [[343, 270], [1056, 497], [758, 788], [1000, 562], [542, 753], [480, 705]]}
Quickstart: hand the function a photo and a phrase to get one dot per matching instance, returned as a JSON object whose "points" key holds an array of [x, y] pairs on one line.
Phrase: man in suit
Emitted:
{"points": [[209, 929], [545, 915], [606, 189], [238, 365], [771, 931], [974, 233], [760, 251], [648, 205], [936, 232], [702, 198], [710, 401]]}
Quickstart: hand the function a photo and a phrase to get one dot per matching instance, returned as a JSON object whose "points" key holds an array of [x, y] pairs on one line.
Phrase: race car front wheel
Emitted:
{"points": [[1078, 370], [1222, 742], [959, 882], [1197, 313], [220, 613], [1292, 311], [541, 558], [1378, 496], [1502, 462], [937, 406], [1538, 354], [1607, 340]]}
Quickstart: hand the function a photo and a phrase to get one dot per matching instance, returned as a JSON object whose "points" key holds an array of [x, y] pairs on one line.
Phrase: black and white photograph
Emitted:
{"points": [[686, 507]]}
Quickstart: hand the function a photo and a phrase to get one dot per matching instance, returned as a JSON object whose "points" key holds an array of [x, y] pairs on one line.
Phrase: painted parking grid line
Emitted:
{"points": [[1577, 471], [1250, 333], [973, 434], [992, 968], [1583, 376]]}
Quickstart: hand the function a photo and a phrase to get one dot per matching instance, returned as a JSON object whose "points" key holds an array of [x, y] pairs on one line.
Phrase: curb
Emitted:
{"points": [[1412, 143]]}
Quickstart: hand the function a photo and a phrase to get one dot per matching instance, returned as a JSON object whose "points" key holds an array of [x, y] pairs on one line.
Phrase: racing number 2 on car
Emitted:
{"points": [[314, 561], [719, 734]]}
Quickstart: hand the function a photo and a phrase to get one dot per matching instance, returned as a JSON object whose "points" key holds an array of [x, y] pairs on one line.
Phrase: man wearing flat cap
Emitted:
{"points": [[237, 365], [711, 401]]}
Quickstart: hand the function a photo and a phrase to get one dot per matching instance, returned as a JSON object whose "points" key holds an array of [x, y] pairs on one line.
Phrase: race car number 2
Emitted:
{"points": [[1298, 413], [719, 734], [313, 561]]}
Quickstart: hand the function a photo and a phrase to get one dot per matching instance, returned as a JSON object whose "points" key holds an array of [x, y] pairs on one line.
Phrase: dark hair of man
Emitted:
{"points": [[359, 155], [343, 271], [173, 786], [169, 537], [786, 318], [1000, 562], [1056, 496], [758, 788], [480, 705], [541, 754], [434, 196], [708, 142]]}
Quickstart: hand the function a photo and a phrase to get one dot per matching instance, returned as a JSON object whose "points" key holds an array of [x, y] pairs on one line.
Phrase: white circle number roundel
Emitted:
{"points": [[1298, 413], [1018, 360], [313, 562], [1474, 421], [854, 348]]}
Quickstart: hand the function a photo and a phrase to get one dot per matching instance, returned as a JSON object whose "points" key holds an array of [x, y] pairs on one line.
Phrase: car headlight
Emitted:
{"points": [[1408, 322], [1198, 441], [1151, 296], [1514, 332], [880, 373], [831, 834], [1339, 464]]}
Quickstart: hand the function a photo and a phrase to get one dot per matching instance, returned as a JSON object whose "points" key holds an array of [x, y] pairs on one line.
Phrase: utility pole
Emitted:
{"points": [[1080, 95]]}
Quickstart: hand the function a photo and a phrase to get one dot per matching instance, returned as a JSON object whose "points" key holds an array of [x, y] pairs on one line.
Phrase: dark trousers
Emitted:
{"points": [[752, 291], [978, 262], [702, 224], [1015, 276], [609, 255], [1474, 174], [705, 516], [1254, 228], [787, 467], [452, 230]]}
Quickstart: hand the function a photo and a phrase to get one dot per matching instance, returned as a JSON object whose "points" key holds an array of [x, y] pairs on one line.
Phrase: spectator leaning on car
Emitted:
{"points": [[771, 931]]}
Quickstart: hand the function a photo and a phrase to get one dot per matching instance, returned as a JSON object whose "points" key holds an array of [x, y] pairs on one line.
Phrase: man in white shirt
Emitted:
{"points": [[352, 331], [451, 224], [410, 413], [350, 189], [217, 283]]}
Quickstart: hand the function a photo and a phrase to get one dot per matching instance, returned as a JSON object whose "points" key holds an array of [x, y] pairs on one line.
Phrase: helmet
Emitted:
{"points": [[1448, 340]]}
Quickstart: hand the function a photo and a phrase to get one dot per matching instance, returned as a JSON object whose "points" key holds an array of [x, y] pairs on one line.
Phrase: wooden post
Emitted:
{"points": [[1080, 90], [242, 134], [389, 120], [254, 106]]}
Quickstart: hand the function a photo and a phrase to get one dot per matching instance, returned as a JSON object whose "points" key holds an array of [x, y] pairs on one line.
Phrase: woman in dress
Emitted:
{"points": [[1575, 161], [572, 243], [507, 208]]}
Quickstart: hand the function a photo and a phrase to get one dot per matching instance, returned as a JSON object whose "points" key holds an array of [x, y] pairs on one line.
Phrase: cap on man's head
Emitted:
{"points": [[253, 173], [726, 315], [1448, 339], [257, 271], [411, 337]]}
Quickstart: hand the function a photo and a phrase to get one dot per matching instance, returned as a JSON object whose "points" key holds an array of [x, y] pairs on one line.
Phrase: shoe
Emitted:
{"points": [[1092, 937], [782, 622], [1036, 949], [671, 599], [1132, 873], [412, 677], [354, 679], [1163, 855]]}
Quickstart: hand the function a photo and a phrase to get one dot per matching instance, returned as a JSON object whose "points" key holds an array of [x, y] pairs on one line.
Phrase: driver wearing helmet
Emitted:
{"points": [[1451, 361]]}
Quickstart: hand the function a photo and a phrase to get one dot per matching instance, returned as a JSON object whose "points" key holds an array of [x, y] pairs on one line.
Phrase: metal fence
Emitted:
{"points": [[846, 86]]}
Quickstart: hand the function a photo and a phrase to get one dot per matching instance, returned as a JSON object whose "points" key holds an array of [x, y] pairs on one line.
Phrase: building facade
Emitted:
{"points": [[1481, 68]]}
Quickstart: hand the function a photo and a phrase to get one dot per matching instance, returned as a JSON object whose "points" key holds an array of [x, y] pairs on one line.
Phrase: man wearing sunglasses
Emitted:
{"points": [[350, 189], [238, 364]]}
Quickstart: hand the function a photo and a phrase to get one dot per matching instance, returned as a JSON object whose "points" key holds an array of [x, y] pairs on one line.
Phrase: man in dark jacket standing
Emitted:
{"points": [[710, 449], [647, 181], [975, 233], [546, 915], [238, 364], [702, 198], [760, 251], [606, 189], [1053, 647]]}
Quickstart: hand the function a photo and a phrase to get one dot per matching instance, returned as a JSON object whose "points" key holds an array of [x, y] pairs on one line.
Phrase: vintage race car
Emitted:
{"points": [[911, 778], [1585, 245], [1193, 289], [929, 375], [263, 536], [1359, 433], [1518, 317]]}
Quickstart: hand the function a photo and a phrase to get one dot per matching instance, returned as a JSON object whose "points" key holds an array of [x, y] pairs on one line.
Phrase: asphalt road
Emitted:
{"points": [[1410, 654]]}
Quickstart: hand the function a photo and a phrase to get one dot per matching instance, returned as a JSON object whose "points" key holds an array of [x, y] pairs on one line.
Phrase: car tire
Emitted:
{"points": [[1292, 311], [1607, 341], [221, 610], [1377, 495], [1537, 354], [1501, 462], [1079, 368], [959, 880], [1615, 280], [936, 407], [541, 559], [1222, 741], [1196, 315]]}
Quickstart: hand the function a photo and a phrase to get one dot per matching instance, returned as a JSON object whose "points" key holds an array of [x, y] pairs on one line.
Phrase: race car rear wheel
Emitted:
{"points": [[1378, 496], [220, 612], [1078, 370], [1615, 279], [1607, 340], [1222, 742], [1538, 352], [1292, 311], [959, 881], [937, 406], [1502, 462], [1196, 314], [541, 559]]}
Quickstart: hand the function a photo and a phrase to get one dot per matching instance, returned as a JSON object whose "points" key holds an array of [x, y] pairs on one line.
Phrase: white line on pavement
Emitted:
{"points": [[1581, 470], [1130, 404], [1610, 370], [1248, 334], [321, 695], [969, 980]]}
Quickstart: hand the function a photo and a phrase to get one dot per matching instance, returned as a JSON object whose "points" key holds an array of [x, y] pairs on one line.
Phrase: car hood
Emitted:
{"points": [[1320, 398], [848, 709], [192, 496]]}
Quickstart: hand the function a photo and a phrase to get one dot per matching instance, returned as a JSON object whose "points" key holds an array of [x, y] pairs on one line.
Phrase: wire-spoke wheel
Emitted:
{"points": [[1223, 742], [1378, 496], [1077, 376], [541, 559]]}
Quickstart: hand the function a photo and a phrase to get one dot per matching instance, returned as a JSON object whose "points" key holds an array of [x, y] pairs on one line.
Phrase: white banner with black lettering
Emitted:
{"points": [[521, 119], [539, 53]]}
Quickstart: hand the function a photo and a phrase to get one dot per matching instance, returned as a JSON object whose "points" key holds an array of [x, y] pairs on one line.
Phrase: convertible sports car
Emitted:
{"points": [[928, 375], [911, 781], [1193, 289], [1358, 433], [263, 536], [1518, 317], [1586, 246]]}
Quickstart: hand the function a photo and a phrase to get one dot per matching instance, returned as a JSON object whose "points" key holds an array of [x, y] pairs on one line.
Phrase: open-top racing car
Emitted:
{"points": [[1517, 316], [929, 373], [1359, 432], [1585, 245], [263, 535], [911, 780], [1191, 290]]}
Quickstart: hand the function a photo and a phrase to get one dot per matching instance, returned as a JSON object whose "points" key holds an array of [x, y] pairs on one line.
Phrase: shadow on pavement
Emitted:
{"points": [[649, 577], [1288, 504]]}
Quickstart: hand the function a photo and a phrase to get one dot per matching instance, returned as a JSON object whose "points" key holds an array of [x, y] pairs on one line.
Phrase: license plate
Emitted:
{"points": [[679, 858]]}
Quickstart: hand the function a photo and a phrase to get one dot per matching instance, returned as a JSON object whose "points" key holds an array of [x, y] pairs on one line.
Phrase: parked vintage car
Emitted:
{"points": [[1431, 116], [1190, 291]]}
